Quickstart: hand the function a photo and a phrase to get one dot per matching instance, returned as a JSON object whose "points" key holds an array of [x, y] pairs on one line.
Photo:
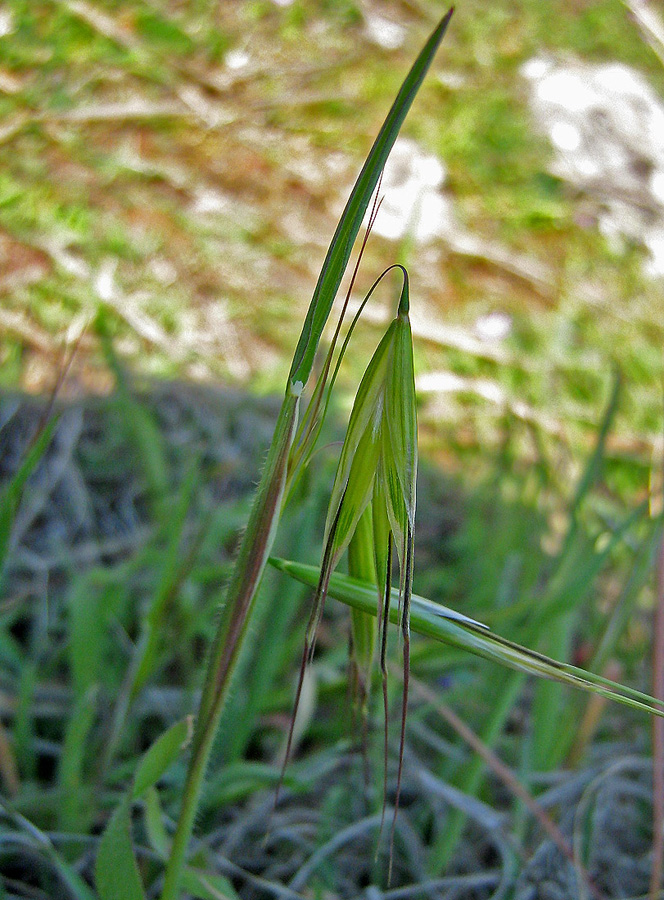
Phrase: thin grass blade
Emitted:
{"points": [[353, 214], [400, 406], [12, 493], [476, 639]]}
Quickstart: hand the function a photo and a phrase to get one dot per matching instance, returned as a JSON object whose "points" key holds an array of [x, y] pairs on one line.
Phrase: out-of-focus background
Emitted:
{"points": [[184, 165], [171, 174]]}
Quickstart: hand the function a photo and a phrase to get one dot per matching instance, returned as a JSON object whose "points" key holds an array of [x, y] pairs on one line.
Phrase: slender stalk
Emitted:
{"points": [[252, 557], [185, 826]]}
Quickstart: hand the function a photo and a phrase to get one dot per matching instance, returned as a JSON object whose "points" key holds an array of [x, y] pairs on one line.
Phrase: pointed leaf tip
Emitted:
{"points": [[340, 248], [404, 300]]}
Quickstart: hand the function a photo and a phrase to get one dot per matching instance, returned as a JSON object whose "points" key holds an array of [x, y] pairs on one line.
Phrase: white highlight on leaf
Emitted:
{"points": [[237, 59], [565, 136], [105, 281], [495, 326], [163, 270], [209, 201]]}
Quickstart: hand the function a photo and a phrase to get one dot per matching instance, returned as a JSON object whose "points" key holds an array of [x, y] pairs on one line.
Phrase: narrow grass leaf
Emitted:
{"points": [[623, 608], [341, 246], [76, 886], [154, 823], [446, 627], [160, 756], [595, 464], [24, 722], [561, 609], [12, 493], [116, 871], [88, 625], [239, 781], [75, 811], [575, 578], [11, 653], [40, 843]]}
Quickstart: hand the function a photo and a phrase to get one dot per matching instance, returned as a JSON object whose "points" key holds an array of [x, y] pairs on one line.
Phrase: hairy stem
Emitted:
{"points": [[252, 557]]}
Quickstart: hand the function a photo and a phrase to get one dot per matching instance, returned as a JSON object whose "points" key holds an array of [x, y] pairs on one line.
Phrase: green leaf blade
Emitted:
{"points": [[116, 870], [357, 493], [362, 565], [12, 493], [341, 246], [208, 886], [401, 412], [452, 628], [366, 410], [160, 756]]}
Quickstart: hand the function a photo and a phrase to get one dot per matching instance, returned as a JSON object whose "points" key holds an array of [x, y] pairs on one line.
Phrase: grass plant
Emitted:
{"points": [[259, 536]]}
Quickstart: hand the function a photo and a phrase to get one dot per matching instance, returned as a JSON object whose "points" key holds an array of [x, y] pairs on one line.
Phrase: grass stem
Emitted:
{"points": [[252, 557]]}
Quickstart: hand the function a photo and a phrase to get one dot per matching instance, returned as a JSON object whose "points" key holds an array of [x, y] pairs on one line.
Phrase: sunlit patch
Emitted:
{"points": [[7, 25], [607, 127], [237, 59], [384, 32], [495, 326], [414, 203]]}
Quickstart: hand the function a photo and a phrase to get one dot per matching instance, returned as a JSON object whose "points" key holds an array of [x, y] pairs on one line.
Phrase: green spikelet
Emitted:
{"points": [[373, 503]]}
